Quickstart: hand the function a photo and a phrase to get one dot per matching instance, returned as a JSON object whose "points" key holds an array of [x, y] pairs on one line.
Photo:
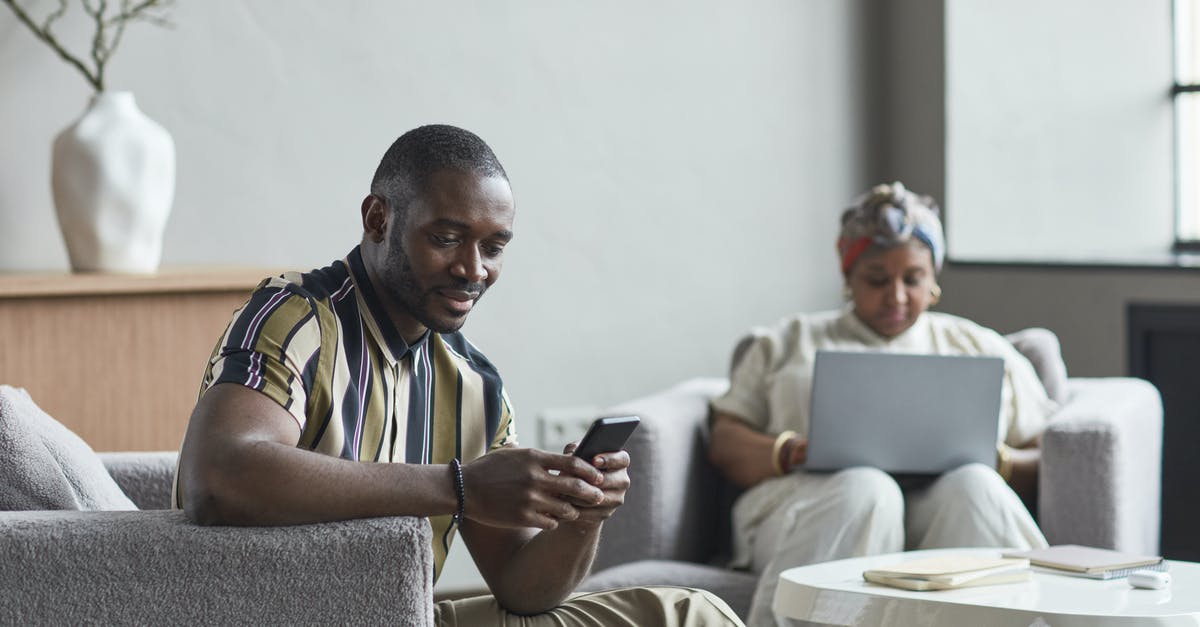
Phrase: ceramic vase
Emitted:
{"points": [[113, 177]]}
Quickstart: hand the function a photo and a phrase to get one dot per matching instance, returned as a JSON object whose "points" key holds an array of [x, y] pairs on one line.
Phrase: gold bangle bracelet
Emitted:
{"points": [[780, 439], [1004, 462]]}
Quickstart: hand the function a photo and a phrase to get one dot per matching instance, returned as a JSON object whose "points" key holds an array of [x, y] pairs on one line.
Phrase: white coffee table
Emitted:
{"points": [[835, 593]]}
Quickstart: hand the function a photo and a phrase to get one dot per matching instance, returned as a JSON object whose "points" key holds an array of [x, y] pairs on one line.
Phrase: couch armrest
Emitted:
{"points": [[145, 478], [669, 508], [155, 567], [1100, 478]]}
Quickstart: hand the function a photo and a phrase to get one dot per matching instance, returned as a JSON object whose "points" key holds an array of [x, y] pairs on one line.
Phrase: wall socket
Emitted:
{"points": [[560, 425]]}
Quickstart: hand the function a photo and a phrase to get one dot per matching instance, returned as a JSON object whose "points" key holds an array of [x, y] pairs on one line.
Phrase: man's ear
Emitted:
{"points": [[375, 216]]}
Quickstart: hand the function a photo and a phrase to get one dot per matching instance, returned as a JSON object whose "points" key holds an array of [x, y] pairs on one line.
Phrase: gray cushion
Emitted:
{"points": [[43, 465], [1041, 348], [146, 477], [156, 568]]}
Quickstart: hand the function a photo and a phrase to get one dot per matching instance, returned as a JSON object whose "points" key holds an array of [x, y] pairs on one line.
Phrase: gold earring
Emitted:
{"points": [[936, 291]]}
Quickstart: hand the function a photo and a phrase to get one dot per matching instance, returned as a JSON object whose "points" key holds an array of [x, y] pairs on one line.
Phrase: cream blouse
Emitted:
{"points": [[771, 383]]}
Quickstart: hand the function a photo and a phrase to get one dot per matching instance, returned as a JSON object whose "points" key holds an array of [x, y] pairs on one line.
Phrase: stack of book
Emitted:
{"points": [[946, 572], [1086, 561]]}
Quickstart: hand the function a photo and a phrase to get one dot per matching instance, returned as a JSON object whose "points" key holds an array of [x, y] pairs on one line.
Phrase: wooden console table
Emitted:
{"points": [[117, 358]]}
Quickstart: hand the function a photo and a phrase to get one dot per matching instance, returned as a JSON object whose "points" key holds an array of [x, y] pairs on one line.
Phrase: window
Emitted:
{"points": [[1060, 131], [1187, 124]]}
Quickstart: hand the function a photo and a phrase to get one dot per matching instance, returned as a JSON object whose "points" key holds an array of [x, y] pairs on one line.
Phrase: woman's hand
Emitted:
{"points": [[793, 453]]}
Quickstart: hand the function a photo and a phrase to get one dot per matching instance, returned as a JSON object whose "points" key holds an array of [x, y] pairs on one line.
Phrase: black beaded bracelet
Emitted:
{"points": [[459, 491]]}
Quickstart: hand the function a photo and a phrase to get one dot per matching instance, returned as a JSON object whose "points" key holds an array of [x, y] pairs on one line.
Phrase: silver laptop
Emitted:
{"points": [[921, 414]]}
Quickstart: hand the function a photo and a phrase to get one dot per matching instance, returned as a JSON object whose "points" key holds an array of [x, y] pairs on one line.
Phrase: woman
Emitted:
{"points": [[891, 249]]}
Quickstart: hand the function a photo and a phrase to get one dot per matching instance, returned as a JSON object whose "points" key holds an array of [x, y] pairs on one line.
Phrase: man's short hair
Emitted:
{"points": [[407, 166]]}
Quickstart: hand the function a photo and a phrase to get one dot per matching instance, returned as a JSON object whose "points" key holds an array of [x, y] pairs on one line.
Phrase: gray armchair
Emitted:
{"points": [[1099, 480], [154, 567]]}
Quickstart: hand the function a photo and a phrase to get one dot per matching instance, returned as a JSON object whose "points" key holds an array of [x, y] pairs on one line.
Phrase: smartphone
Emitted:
{"points": [[606, 435]]}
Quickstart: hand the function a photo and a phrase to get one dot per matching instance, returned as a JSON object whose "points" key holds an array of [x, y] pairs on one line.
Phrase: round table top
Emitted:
{"points": [[835, 593]]}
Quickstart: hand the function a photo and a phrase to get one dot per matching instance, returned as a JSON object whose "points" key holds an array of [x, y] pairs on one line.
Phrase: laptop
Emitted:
{"points": [[904, 414]]}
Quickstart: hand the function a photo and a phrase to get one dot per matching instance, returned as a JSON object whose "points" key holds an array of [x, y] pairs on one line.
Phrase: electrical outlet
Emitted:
{"points": [[560, 425]]}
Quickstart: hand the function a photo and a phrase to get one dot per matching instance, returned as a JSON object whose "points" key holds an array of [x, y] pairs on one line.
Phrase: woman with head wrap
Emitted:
{"points": [[891, 249]]}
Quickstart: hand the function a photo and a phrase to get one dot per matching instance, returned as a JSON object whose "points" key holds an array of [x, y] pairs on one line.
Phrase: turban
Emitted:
{"points": [[889, 215]]}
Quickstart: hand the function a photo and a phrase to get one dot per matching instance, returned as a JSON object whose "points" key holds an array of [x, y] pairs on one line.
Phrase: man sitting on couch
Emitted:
{"points": [[362, 361]]}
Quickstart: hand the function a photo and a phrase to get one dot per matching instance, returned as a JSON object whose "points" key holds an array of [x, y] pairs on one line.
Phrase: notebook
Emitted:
{"points": [[918, 414], [947, 572], [1086, 561]]}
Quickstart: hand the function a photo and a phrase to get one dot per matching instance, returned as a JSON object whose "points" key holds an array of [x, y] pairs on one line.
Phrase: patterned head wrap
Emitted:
{"points": [[889, 215]]}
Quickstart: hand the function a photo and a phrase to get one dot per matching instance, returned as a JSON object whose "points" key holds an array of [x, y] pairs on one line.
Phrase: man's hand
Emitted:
{"points": [[510, 490], [614, 467], [513, 487]]}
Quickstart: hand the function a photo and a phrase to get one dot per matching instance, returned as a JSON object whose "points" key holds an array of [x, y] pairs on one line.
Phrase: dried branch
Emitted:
{"points": [[50, 19], [139, 11], [43, 33], [98, 58], [109, 29]]}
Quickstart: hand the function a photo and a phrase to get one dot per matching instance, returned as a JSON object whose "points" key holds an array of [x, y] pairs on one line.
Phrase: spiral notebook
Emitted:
{"points": [[1086, 561]]}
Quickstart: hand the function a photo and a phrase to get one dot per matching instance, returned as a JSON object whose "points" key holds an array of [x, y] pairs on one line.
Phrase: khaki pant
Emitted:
{"points": [[655, 606]]}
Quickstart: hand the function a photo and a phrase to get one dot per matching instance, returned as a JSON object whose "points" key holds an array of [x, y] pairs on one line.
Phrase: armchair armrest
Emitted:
{"points": [[1100, 477], [145, 478], [669, 507], [155, 567]]}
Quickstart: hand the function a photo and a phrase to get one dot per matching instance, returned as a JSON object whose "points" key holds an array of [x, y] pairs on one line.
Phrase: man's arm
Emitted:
{"points": [[240, 466], [530, 571]]}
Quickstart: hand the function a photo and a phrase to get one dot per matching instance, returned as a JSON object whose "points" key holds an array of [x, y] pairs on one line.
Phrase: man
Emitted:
{"points": [[362, 361]]}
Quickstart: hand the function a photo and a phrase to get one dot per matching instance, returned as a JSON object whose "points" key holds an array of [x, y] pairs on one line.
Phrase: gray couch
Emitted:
{"points": [[1099, 481], [154, 567], [1099, 486]]}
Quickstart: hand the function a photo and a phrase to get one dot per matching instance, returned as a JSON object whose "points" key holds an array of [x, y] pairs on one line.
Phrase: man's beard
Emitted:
{"points": [[408, 294]]}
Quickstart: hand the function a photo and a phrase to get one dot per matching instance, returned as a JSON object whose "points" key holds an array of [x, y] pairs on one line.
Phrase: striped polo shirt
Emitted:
{"points": [[321, 346]]}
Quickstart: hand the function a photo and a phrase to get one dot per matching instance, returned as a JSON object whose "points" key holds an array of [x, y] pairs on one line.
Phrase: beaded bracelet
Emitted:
{"points": [[459, 491]]}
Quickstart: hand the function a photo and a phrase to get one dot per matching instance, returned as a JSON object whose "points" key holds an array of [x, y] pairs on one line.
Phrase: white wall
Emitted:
{"points": [[678, 166], [1059, 129]]}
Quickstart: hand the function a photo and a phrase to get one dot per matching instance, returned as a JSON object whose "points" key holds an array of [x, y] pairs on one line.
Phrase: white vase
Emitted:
{"points": [[113, 177]]}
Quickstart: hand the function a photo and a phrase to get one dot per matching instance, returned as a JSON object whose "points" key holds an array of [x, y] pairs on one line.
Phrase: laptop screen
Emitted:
{"points": [[902, 413]]}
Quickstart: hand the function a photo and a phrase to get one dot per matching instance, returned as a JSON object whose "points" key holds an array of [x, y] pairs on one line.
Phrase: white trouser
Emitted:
{"points": [[862, 511]]}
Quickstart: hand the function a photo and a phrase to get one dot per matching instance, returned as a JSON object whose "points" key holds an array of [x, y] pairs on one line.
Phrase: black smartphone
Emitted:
{"points": [[606, 435]]}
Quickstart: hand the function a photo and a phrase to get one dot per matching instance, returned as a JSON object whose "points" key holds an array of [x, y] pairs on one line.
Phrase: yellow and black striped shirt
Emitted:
{"points": [[321, 346]]}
